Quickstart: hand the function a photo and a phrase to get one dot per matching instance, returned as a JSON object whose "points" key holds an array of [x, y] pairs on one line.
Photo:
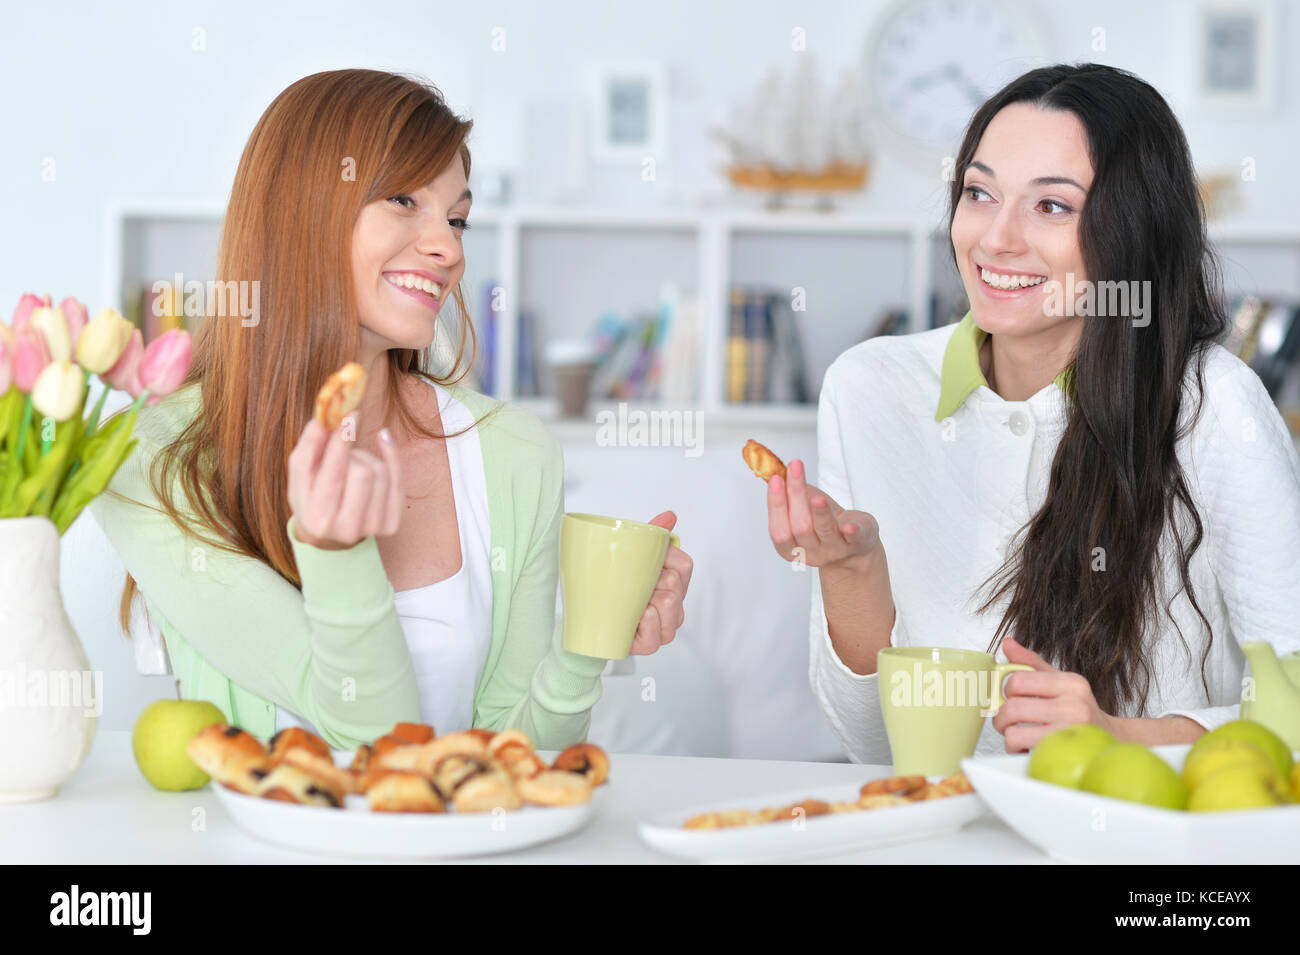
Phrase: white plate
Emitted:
{"points": [[357, 831], [1075, 826], [817, 835]]}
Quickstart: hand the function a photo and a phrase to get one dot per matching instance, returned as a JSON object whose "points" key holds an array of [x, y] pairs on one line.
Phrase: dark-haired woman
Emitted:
{"points": [[1112, 499]]}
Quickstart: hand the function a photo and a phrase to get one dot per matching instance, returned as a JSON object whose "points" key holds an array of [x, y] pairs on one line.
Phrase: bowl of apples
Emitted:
{"points": [[1232, 797]]}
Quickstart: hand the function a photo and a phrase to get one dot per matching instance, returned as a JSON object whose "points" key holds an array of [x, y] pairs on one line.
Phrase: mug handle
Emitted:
{"points": [[1002, 671], [674, 540]]}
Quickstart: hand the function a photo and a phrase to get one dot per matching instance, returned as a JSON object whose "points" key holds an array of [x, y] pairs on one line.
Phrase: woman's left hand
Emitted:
{"points": [[665, 613], [1043, 701]]}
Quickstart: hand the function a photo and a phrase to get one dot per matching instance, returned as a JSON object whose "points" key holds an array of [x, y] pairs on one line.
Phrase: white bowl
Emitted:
{"points": [[1076, 826]]}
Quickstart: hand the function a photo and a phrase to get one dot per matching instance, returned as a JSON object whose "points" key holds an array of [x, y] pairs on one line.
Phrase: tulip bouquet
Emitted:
{"points": [[54, 460]]}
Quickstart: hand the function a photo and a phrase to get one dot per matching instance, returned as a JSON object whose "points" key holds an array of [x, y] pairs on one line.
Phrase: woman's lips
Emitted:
{"points": [[1000, 293], [421, 296]]}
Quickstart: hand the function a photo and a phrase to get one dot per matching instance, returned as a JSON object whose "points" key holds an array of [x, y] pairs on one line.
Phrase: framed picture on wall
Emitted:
{"points": [[1237, 53], [630, 111]]}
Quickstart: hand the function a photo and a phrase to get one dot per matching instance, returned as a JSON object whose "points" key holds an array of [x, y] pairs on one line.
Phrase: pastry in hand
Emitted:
{"points": [[340, 395], [555, 787], [288, 783], [392, 790], [587, 759], [229, 755], [762, 461]]}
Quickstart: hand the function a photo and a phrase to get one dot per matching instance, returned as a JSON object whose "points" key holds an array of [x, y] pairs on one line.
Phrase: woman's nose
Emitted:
{"points": [[1005, 232]]}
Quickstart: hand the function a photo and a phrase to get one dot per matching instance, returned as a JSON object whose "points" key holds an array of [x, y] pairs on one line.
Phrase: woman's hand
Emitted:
{"points": [[1043, 701], [340, 494], [806, 525], [666, 611]]}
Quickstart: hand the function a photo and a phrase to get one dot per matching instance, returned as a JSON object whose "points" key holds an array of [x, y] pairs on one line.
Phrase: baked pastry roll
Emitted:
{"points": [[229, 755], [391, 790], [340, 395], [483, 792], [762, 461], [555, 787], [288, 783], [586, 759], [413, 732], [295, 737]]}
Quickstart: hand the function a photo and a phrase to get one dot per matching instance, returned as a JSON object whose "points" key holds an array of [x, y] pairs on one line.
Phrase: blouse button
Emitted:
{"points": [[1019, 423]]}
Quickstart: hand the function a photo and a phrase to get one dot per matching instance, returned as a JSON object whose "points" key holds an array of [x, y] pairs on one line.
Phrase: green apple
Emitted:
{"points": [[1239, 786], [1132, 772], [1063, 756], [161, 733], [1218, 754], [1295, 783], [1248, 731]]}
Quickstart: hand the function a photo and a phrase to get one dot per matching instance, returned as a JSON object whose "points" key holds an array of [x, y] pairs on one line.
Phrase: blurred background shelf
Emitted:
{"points": [[848, 276]]}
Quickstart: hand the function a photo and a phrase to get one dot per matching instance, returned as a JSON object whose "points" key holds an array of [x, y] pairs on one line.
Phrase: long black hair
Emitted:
{"points": [[1116, 482]]}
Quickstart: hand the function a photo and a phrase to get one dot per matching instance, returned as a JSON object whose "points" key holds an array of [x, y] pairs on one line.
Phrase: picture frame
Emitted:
{"points": [[1236, 54], [629, 111]]}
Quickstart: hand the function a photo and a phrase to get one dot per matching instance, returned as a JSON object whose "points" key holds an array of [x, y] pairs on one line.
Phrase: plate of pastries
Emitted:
{"points": [[409, 794], [838, 818]]}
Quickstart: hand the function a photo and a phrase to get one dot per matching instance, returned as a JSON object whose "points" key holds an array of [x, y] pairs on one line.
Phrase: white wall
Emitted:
{"points": [[127, 109]]}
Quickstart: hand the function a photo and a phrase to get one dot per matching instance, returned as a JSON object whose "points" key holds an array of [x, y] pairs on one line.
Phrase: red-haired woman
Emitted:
{"points": [[404, 566]]}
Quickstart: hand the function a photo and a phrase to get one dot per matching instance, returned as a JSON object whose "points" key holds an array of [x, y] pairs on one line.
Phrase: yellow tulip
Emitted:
{"points": [[103, 340], [54, 327], [58, 390]]}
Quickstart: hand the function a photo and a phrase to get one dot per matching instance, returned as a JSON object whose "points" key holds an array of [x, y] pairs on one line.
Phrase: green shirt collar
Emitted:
{"points": [[961, 368]]}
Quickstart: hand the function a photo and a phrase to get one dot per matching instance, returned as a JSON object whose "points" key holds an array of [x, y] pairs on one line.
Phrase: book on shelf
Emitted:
{"points": [[765, 354], [649, 356]]}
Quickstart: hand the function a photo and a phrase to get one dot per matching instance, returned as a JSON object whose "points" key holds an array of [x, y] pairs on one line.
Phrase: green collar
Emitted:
{"points": [[961, 368]]}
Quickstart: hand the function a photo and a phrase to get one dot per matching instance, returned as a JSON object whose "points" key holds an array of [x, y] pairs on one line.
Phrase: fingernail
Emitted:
{"points": [[384, 436]]}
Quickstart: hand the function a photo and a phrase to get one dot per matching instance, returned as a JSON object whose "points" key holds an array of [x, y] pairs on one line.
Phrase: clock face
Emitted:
{"points": [[931, 63]]}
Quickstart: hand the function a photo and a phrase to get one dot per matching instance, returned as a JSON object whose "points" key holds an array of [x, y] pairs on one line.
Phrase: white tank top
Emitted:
{"points": [[448, 624]]}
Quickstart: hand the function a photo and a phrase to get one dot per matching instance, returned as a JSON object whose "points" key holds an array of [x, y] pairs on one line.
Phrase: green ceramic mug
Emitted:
{"points": [[608, 570], [934, 701]]}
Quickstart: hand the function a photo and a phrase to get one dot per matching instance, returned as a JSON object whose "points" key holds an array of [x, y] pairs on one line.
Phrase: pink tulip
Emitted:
{"points": [[31, 355], [123, 373], [165, 362], [26, 305], [76, 315], [6, 359]]}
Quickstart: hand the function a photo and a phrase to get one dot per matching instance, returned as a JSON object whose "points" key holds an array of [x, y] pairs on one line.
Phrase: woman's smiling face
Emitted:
{"points": [[400, 245], [1018, 215]]}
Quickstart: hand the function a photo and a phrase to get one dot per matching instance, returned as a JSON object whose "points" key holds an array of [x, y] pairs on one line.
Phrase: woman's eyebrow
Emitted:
{"points": [[1040, 181]]}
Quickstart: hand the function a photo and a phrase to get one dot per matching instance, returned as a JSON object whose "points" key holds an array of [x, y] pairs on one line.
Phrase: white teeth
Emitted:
{"points": [[1010, 281], [408, 280]]}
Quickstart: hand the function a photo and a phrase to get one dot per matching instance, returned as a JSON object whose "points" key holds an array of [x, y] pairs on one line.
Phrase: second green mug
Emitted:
{"points": [[934, 701], [608, 569]]}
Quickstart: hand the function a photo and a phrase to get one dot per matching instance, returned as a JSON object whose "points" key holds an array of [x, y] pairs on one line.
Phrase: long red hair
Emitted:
{"points": [[328, 145]]}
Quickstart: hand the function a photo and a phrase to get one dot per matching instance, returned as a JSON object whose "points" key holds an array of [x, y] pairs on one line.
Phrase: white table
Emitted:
{"points": [[107, 813]]}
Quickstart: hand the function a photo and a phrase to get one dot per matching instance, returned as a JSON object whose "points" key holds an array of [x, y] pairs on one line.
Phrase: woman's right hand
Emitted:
{"points": [[806, 525], [340, 494]]}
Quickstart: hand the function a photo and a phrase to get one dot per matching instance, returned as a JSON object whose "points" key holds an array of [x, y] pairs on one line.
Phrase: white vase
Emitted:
{"points": [[49, 698]]}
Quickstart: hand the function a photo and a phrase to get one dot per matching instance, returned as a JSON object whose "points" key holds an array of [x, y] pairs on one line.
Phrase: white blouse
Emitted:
{"points": [[949, 495], [448, 624]]}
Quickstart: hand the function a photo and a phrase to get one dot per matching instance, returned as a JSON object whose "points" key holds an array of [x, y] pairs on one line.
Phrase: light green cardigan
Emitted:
{"points": [[240, 635]]}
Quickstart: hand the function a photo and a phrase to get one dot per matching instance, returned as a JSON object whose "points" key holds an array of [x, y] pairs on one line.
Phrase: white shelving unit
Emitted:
{"points": [[567, 266]]}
